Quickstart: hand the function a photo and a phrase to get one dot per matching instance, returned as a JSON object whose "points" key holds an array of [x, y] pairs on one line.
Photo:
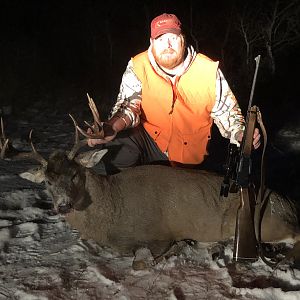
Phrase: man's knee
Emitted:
{"points": [[122, 155], [123, 151]]}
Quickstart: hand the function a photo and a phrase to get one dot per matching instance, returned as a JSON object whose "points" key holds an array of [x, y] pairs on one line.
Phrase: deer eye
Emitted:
{"points": [[48, 182]]}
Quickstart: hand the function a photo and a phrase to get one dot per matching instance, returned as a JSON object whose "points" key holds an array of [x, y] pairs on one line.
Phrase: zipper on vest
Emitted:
{"points": [[174, 92]]}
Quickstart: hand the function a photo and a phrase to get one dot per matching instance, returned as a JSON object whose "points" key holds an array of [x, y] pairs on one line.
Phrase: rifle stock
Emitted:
{"points": [[245, 242]]}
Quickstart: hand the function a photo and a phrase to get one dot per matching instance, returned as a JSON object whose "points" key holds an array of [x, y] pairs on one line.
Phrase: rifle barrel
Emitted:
{"points": [[257, 60]]}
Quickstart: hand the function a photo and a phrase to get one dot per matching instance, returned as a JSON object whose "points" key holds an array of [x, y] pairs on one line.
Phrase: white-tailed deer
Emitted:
{"points": [[149, 205]]}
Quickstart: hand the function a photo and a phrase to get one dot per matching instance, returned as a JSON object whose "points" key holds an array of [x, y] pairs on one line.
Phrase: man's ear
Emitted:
{"points": [[90, 158]]}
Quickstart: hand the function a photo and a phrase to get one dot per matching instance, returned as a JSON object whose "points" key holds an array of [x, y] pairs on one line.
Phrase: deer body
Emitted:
{"points": [[148, 205], [152, 205]]}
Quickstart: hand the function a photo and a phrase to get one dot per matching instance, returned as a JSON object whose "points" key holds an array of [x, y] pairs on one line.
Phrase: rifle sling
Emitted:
{"points": [[262, 165], [262, 198]]}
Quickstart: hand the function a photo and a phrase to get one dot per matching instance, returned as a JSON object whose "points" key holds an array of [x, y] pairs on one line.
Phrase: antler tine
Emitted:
{"points": [[94, 132], [94, 129], [89, 125], [94, 110], [84, 133], [34, 154], [77, 143]]}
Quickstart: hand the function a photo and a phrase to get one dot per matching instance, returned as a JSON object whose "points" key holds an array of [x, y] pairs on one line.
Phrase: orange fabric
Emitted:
{"points": [[177, 116]]}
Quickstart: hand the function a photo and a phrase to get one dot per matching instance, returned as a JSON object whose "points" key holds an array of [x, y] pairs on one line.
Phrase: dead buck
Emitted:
{"points": [[147, 205]]}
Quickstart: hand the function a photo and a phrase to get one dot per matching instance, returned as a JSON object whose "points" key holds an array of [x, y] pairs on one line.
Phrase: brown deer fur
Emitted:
{"points": [[151, 205]]}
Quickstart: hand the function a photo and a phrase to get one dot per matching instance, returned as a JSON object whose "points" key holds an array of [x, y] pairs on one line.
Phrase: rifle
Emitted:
{"points": [[239, 168]]}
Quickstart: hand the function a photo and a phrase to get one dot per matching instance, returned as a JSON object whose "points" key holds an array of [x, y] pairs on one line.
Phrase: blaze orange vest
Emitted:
{"points": [[177, 116]]}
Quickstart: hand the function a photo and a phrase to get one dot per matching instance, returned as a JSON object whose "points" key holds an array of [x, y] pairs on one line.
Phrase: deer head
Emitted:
{"points": [[64, 171]]}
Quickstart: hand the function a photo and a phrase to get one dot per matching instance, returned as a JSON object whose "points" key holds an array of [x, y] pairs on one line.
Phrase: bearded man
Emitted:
{"points": [[169, 98]]}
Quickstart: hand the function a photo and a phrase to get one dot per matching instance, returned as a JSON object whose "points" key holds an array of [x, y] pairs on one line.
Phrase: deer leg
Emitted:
{"points": [[143, 259]]}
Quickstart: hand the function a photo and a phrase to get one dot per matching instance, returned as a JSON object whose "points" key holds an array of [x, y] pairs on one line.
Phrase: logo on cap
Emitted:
{"points": [[165, 23]]}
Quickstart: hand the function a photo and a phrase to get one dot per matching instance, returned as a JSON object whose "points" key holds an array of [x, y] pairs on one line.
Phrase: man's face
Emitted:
{"points": [[168, 50]]}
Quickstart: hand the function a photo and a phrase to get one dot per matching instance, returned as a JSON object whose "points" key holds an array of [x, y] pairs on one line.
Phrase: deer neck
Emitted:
{"points": [[98, 189]]}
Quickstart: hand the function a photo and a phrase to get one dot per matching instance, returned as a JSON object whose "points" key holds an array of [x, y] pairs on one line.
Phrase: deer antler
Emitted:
{"points": [[3, 141], [78, 143], [96, 130], [4, 146], [34, 154]]}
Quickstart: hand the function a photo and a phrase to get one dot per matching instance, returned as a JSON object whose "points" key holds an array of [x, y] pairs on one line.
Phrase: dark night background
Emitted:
{"points": [[53, 52]]}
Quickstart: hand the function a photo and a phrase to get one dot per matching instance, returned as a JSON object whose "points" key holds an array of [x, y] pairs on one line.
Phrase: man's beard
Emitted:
{"points": [[167, 61]]}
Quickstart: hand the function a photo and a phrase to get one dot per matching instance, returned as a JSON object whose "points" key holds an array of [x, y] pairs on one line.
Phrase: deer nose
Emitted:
{"points": [[64, 208]]}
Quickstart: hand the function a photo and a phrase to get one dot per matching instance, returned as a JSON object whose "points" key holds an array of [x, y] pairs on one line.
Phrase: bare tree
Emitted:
{"points": [[249, 29], [281, 28], [271, 27]]}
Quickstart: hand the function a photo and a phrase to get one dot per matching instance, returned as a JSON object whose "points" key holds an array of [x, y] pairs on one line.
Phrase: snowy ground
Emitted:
{"points": [[43, 258]]}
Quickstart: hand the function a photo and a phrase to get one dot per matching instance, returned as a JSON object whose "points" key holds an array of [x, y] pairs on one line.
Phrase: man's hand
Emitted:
{"points": [[256, 138], [109, 135]]}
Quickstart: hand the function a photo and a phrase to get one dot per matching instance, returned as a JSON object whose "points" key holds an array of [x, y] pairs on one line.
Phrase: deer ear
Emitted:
{"points": [[36, 175], [91, 158]]}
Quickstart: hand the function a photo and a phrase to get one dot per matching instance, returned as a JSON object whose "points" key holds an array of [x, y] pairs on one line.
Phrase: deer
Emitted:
{"points": [[147, 206]]}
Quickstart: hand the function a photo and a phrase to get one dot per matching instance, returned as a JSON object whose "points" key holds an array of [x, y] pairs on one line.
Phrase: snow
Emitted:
{"points": [[43, 258]]}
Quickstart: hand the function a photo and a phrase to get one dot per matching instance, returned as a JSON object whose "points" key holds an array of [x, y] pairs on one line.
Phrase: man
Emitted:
{"points": [[168, 100]]}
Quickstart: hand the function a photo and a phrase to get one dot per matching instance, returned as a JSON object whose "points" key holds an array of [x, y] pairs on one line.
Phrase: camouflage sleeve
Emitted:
{"points": [[226, 112], [129, 97]]}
